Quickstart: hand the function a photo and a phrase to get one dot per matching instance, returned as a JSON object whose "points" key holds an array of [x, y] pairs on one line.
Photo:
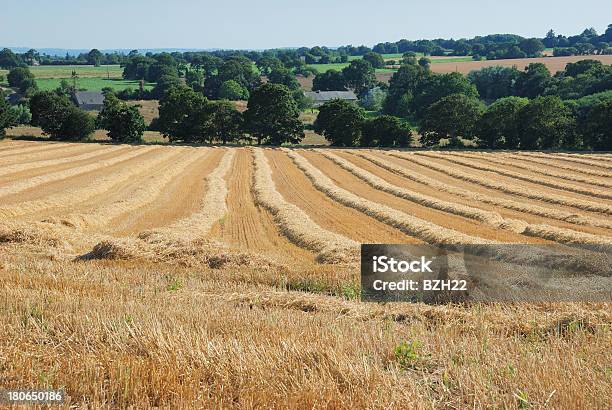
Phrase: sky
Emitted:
{"points": [[248, 24]]}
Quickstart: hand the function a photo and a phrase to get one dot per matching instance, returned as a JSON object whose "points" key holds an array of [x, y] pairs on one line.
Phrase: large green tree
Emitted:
{"points": [[94, 57], [402, 87], [330, 80], [375, 59], [59, 118], [494, 82], [438, 86], [340, 122], [498, 127], [597, 127], [533, 81], [359, 76], [451, 117], [123, 122], [272, 115], [225, 123], [183, 115], [385, 131], [233, 91], [545, 123]]}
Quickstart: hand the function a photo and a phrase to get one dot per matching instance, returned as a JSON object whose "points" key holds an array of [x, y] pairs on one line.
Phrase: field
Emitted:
{"points": [[177, 276], [89, 77]]}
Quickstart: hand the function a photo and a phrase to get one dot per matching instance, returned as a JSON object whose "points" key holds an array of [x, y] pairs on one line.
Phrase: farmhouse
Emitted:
{"points": [[89, 101], [321, 97]]}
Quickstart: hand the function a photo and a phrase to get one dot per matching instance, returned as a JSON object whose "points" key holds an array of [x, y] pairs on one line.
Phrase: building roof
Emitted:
{"points": [[321, 96], [89, 98]]}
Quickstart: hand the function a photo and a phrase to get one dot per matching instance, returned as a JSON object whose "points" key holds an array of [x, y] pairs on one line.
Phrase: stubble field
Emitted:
{"points": [[207, 276]]}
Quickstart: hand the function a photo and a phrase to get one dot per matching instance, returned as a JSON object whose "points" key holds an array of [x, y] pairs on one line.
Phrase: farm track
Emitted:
{"points": [[475, 164], [297, 189], [508, 186], [349, 182], [415, 177], [247, 226]]}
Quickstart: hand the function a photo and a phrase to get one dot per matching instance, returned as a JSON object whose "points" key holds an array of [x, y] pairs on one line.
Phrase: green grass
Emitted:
{"points": [[92, 84], [450, 60]]}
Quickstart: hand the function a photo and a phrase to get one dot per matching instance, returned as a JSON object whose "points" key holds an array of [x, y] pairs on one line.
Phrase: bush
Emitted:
{"points": [[22, 113], [373, 100], [123, 122], [77, 125]]}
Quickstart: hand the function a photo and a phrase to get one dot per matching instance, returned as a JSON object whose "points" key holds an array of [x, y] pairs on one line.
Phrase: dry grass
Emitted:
{"points": [[535, 169], [295, 223], [593, 192], [493, 219], [486, 199], [573, 159], [507, 188], [177, 317]]}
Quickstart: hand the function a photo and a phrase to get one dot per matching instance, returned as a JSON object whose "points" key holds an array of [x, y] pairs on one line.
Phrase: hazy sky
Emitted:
{"points": [[275, 23]]}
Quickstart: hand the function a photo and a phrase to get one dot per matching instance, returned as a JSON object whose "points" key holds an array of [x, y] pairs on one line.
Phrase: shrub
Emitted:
{"points": [[22, 113], [8, 117], [373, 100]]}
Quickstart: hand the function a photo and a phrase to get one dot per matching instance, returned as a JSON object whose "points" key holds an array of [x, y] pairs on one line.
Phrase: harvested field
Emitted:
{"points": [[182, 277]]}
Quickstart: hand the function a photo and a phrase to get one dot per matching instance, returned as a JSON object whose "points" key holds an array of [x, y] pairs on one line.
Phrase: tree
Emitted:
{"points": [[494, 82], [59, 118], [94, 57], [498, 127], [533, 47], [597, 128], [340, 122], [533, 81], [425, 62], [283, 76], [403, 85], [373, 100], [8, 117], [183, 114], [9, 60], [31, 56], [330, 80], [436, 87], [272, 115], [375, 59], [233, 91], [359, 76], [545, 123], [21, 78], [164, 84], [385, 131], [225, 123], [451, 117], [123, 122]]}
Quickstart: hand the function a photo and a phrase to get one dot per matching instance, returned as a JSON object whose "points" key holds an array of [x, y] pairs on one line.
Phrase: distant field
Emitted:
{"points": [[92, 83], [90, 77], [322, 68]]}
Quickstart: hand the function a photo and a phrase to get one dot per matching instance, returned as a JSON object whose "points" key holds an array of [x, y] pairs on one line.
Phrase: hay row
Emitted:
{"points": [[475, 196], [141, 196], [35, 148], [507, 188], [63, 150], [547, 163], [594, 192], [532, 168], [413, 226], [592, 163], [28, 183], [595, 157], [560, 235], [294, 223], [10, 169], [213, 208], [440, 236], [75, 195]]}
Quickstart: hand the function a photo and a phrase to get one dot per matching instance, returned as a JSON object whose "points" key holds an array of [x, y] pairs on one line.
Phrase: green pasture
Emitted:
{"points": [[92, 83]]}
